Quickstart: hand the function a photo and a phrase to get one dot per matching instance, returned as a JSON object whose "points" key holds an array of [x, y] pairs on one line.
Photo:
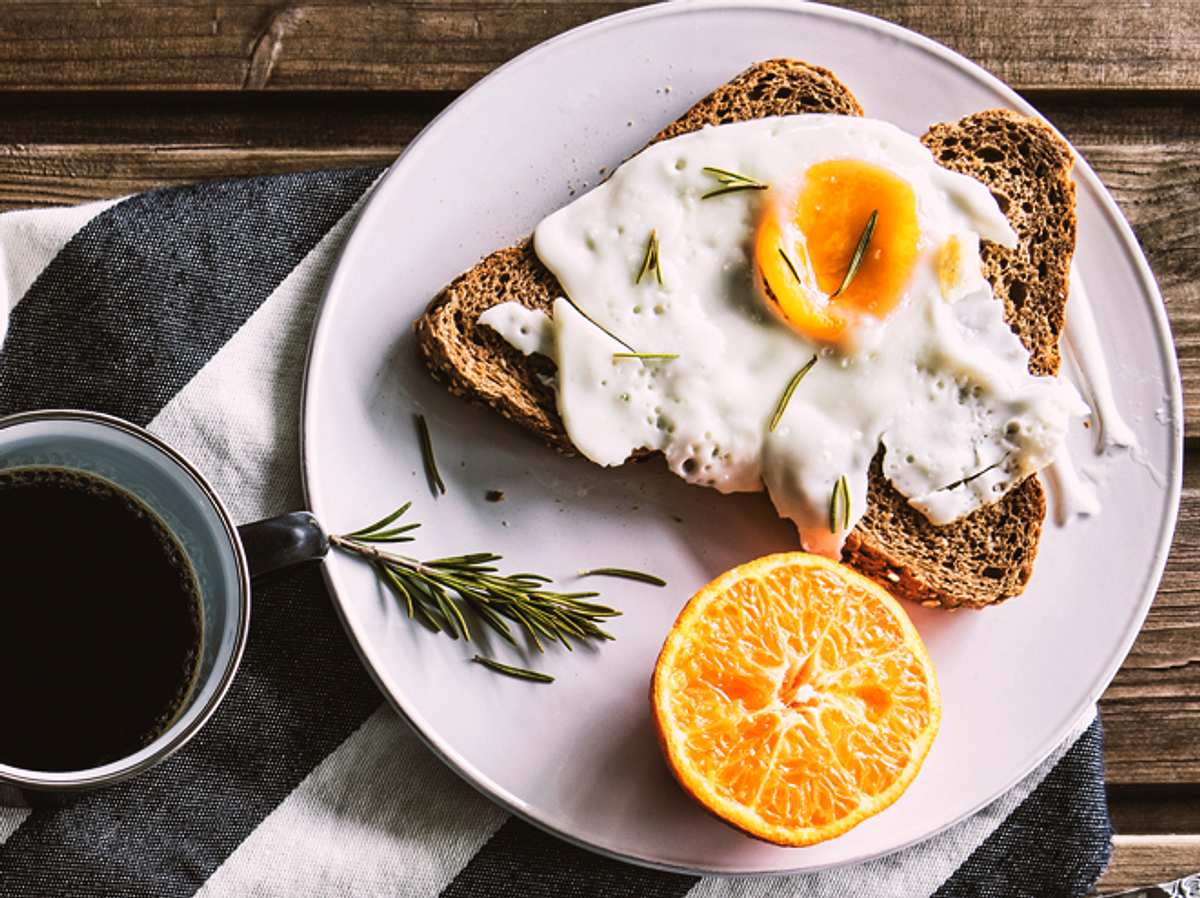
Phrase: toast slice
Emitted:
{"points": [[475, 362], [988, 555], [979, 560]]}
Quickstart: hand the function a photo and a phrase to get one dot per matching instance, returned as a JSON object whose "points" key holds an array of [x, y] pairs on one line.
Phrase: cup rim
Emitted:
{"points": [[175, 736]]}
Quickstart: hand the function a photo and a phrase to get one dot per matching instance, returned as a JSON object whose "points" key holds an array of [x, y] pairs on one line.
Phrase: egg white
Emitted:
{"points": [[942, 382]]}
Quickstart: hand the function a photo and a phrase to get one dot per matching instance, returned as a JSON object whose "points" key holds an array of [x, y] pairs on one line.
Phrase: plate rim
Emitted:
{"points": [[1114, 218]]}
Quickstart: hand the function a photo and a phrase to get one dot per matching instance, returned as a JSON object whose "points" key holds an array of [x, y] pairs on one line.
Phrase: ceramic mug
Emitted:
{"points": [[225, 559]]}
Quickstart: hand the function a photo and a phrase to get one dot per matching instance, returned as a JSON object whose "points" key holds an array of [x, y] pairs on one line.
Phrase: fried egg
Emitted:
{"points": [[769, 303]]}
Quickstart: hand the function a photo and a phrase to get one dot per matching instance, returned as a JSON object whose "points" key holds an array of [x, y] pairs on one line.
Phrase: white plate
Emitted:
{"points": [[579, 757]]}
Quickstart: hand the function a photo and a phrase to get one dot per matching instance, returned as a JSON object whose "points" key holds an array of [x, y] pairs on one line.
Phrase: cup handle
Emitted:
{"points": [[282, 541]]}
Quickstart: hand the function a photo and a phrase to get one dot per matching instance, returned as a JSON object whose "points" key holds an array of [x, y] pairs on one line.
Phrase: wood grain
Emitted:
{"points": [[1141, 860], [1140, 808], [443, 44]]}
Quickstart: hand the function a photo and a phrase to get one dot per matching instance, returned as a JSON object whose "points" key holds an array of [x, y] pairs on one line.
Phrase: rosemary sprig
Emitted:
{"points": [[860, 252], [521, 673], [661, 356], [431, 469], [627, 574], [437, 592], [788, 391], [839, 505], [650, 261], [730, 181]]}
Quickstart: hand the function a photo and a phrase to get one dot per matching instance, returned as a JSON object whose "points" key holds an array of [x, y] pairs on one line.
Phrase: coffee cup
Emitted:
{"points": [[223, 558]]}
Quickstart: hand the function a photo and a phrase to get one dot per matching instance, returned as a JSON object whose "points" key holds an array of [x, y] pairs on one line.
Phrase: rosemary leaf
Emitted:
{"points": [[596, 323], [453, 560], [964, 481], [644, 356], [395, 535], [398, 585], [787, 260], [730, 182], [839, 505], [781, 407], [860, 251], [521, 673], [431, 469], [623, 572], [383, 522], [650, 261]]}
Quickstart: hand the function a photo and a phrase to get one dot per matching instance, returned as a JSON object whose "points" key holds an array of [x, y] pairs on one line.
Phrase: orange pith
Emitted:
{"points": [[794, 698], [831, 212]]}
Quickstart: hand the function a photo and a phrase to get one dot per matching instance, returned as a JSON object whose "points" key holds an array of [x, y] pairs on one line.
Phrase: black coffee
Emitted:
{"points": [[100, 621]]}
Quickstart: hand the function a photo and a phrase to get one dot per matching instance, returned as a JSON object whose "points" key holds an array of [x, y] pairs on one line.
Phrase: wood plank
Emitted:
{"points": [[1151, 712], [444, 44], [1142, 860], [1154, 809], [54, 174]]}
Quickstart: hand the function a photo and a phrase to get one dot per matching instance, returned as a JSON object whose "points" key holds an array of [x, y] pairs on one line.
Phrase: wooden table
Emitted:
{"points": [[107, 97]]}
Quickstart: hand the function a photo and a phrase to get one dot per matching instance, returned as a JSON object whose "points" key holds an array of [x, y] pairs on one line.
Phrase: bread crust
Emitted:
{"points": [[977, 561]]}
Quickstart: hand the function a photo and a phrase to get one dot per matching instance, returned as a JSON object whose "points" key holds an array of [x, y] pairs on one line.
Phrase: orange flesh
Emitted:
{"points": [[794, 698], [831, 211]]}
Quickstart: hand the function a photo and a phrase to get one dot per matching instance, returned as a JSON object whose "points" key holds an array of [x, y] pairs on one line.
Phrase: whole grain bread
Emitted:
{"points": [[976, 561], [987, 556], [477, 363]]}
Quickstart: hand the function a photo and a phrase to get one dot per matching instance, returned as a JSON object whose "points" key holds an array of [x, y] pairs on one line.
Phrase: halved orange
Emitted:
{"points": [[794, 698]]}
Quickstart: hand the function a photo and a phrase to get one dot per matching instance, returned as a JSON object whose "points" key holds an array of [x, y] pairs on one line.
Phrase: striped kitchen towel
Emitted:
{"points": [[187, 311]]}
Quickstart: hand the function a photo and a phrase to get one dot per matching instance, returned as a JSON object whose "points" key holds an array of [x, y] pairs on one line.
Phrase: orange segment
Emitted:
{"points": [[831, 212], [794, 698]]}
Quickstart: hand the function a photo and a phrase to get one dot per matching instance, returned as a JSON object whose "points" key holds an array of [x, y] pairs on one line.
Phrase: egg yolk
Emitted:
{"points": [[804, 278]]}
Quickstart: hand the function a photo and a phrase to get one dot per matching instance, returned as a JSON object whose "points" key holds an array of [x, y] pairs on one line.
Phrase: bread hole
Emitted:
{"points": [[1017, 293], [1027, 207], [989, 154], [1023, 148], [1041, 269], [1001, 201], [950, 142], [783, 93], [947, 155], [993, 573]]}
